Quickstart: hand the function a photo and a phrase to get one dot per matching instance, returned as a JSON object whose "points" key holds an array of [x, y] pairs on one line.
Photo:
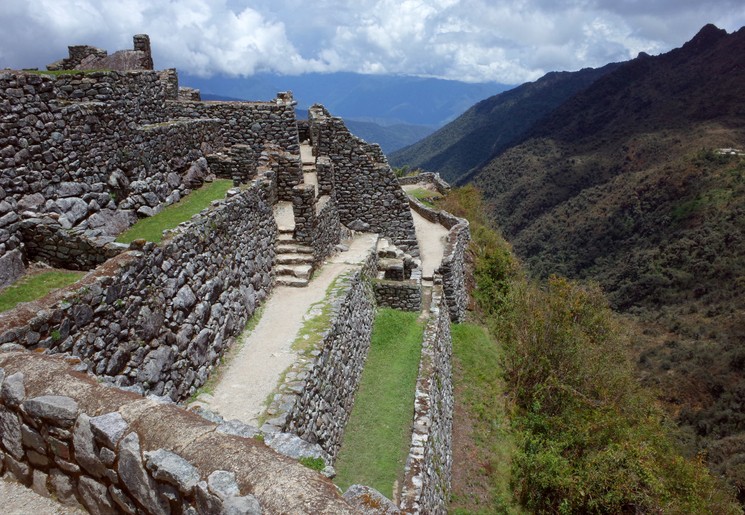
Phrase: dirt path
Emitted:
{"points": [[267, 352], [431, 238], [16, 499]]}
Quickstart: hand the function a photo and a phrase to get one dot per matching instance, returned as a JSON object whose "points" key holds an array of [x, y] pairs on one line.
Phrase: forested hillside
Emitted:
{"points": [[625, 184], [493, 125]]}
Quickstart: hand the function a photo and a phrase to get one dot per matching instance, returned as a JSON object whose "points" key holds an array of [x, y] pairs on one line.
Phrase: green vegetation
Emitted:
{"points": [[313, 463], [34, 286], [482, 426], [588, 438], [378, 434], [151, 228], [424, 196], [318, 319]]}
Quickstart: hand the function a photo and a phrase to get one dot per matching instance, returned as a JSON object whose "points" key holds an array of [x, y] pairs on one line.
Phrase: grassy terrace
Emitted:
{"points": [[482, 438], [151, 228], [377, 438], [35, 286]]}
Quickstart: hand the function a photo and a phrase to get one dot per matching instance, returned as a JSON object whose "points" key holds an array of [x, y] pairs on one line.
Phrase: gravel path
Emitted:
{"points": [[431, 238], [16, 499], [267, 351]]}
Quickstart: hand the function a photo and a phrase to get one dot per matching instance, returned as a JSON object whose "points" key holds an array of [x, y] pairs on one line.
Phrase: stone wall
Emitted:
{"points": [[46, 240], [328, 231], [427, 476], [63, 433], [162, 316], [405, 295], [90, 144], [247, 123], [366, 191], [452, 270], [318, 394]]}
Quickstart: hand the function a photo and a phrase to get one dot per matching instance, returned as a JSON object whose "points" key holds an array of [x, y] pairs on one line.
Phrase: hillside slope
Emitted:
{"points": [[494, 124], [623, 185]]}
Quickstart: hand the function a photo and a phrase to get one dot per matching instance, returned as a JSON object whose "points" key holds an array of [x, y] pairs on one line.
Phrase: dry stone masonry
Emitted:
{"points": [[83, 156]]}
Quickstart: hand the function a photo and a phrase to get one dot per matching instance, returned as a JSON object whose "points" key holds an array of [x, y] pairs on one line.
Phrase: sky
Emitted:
{"points": [[506, 41]]}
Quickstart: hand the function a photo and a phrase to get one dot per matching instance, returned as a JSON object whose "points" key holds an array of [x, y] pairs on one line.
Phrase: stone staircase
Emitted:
{"points": [[294, 261]]}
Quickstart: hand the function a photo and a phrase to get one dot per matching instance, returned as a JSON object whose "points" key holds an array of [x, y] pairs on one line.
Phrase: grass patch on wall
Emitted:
{"points": [[423, 195], [35, 286], [151, 228], [378, 435], [483, 440]]}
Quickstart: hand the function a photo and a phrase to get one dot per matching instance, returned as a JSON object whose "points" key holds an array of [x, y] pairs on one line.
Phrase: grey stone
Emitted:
{"points": [[172, 468], [109, 428], [295, 447], [32, 439], [185, 298], [20, 470], [58, 409], [74, 209], [368, 501], [39, 483], [112, 222], [238, 428], [31, 202], [246, 505], [70, 189], [85, 447], [154, 365], [121, 499], [62, 487], [11, 267], [223, 484], [205, 500], [12, 347], [95, 496], [10, 433], [12, 391], [135, 478]]}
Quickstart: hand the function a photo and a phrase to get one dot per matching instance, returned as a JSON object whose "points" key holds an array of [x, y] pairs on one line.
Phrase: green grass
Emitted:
{"points": [[35, 286], [480, 397], [378, 435], [151, 228], [317, 319], [424, 196]]}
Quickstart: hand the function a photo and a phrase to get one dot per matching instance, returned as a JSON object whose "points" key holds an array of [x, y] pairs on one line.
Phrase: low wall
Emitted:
{"points": [[318, 394], [65, 434], [161, 317], [452, 269], [328, 230], [434, 179], [405, 295], [427, 476], [46, 240]]}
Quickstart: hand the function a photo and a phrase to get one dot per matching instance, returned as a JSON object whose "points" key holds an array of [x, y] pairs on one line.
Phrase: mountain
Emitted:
{"points": [[625, 184], [383, 99], [494, 124]]}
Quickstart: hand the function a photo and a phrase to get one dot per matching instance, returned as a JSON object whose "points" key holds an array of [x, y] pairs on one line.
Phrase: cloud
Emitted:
{"points": [[509, 41]]}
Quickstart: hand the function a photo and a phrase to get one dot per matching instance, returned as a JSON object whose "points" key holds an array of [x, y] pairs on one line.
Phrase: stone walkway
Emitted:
{"points": [[266, 352], [431, 238]]}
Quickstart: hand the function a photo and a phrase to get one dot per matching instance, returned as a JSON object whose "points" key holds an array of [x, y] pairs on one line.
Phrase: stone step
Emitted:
{"points": [[291, 281], [293, 248], [286, 237], [285, 230], [294, 259], [299, 271]]}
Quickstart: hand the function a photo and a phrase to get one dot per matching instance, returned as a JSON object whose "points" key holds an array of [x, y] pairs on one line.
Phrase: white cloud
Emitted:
{"points": [[478, 40]]}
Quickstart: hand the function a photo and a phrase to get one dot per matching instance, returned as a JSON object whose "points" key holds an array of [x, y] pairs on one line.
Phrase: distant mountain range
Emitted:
{"points": [[493, 125], [382, 99], [617, 177]]}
